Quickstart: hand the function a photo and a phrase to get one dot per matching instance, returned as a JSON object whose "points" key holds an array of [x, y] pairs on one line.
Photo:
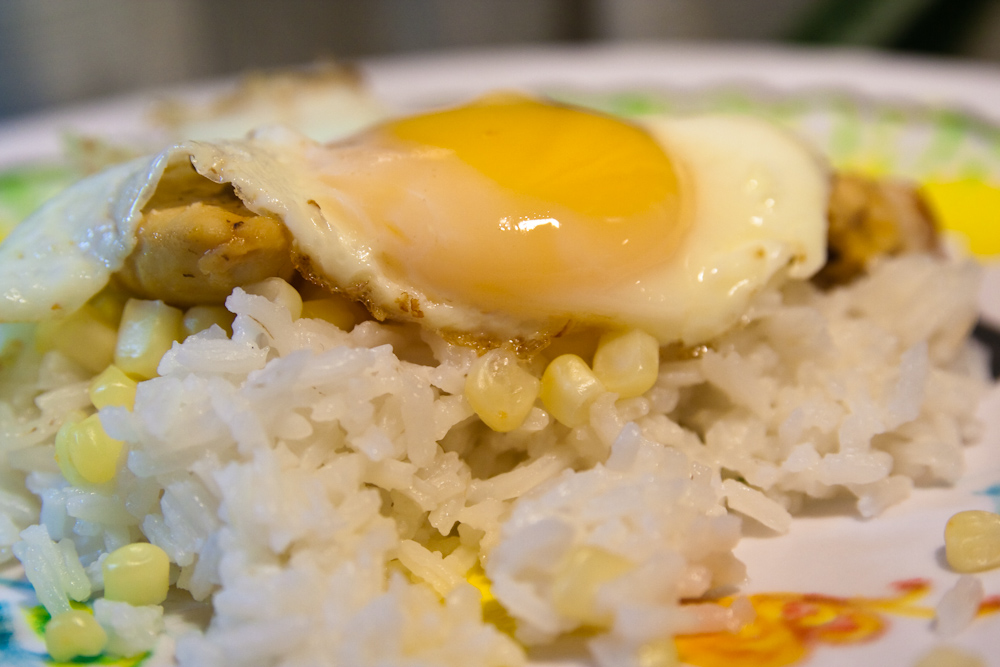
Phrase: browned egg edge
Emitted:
{"points": [[408, 307]]}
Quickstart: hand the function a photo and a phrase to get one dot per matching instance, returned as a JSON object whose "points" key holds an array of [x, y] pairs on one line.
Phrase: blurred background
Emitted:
{"points": [[60, 51]]}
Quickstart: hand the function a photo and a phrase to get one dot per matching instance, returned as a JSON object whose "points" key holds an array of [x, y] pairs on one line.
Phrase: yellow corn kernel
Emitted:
{"points": [[574, 589], [63, 438], [14, 338], [568, 388], [658, 653], [972, 541], [147, 330], [493, 611], [335, 310], [627, 362], [108, 304], [500, 391], [280, 292], [85, 452], [112, 387], [200, 318], [137, 573], [74, 634], [84, 337], [943, 655]]}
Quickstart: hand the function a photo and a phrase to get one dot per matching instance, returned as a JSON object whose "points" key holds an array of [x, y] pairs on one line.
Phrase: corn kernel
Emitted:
{"points": [[574, 589], [108, 304], [14, 338], [200, 318], [658, 653], [972, 541], [112, 387], [568, 389], [627, 362], [310, 291], [500, 391], [337, 311], [137, 573], [63, 438], [74, 634], [85, 452], [493, 611], [147, 330], [949, 656], [84, 337], [280, 292]]}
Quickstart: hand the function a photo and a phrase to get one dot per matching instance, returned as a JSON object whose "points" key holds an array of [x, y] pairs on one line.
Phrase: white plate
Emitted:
{"points": [[942, 119]]}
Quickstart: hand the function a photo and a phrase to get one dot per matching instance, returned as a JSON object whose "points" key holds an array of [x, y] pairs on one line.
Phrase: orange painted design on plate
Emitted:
{"points": [[788, 626], [989, 605]]}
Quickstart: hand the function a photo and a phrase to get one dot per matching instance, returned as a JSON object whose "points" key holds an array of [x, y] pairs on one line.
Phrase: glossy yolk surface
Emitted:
{"points": [[511, 203], [592, 164]]}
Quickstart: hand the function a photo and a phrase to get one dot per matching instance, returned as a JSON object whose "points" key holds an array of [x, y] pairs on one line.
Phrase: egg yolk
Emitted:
{"points": [[511, 203]]}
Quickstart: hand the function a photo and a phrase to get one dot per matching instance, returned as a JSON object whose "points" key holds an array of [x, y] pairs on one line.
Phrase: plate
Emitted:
{"points": [[845, 590]]}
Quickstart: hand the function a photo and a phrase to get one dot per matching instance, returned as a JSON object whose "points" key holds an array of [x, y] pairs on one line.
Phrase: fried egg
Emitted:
{"points": [[508, 219]]}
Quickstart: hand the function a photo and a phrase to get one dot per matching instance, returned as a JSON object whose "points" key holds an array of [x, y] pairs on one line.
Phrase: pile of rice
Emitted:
{"points": [[332, 494]]}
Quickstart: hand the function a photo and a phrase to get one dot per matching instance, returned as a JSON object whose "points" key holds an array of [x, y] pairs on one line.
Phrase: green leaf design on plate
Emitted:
{"points": [[38, 617], [873, 136], [23, 189]]}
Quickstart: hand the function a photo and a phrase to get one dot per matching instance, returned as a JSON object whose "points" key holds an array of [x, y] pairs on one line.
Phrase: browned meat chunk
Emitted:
{"points": [[870, 219], [197, 241]]}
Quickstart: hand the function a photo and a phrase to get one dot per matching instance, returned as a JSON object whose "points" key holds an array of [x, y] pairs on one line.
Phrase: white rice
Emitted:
{"points": [[329, 492], [958, 606]]}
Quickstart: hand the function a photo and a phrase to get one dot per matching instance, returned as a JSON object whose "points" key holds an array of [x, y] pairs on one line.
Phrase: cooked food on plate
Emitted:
{"points": [[463, 383]]}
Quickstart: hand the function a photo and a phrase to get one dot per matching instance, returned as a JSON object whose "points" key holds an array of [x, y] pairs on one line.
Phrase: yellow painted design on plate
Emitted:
{"points": [[969, 207], [789, 626]]}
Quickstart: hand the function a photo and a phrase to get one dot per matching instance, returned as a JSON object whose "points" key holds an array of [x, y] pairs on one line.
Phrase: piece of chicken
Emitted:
{"points": [[871, 218], [197, 242]]}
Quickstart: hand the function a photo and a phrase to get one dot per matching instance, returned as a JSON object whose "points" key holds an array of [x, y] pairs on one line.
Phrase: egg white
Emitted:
{"points": [[754, 199], [758, 200]]}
